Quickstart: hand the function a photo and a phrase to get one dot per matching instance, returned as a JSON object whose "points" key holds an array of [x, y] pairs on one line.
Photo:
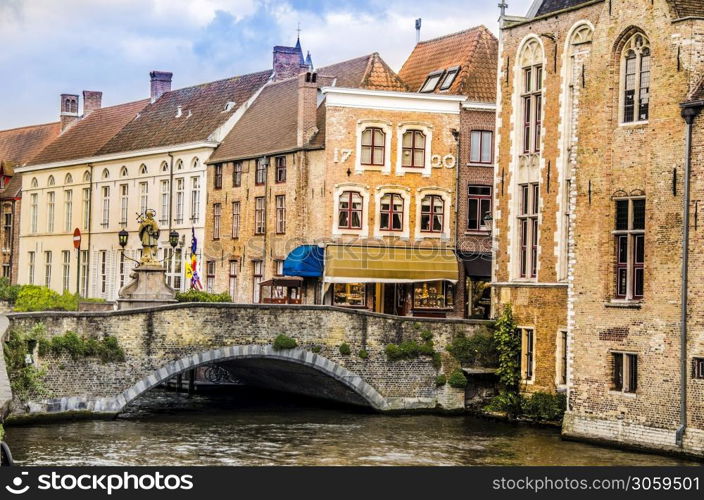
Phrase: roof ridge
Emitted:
{"points": [[479, 27], [30, 126], [219, 80]]}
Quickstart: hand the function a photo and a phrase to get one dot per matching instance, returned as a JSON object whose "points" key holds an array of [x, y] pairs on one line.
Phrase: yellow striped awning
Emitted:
{"points": [[370, 264]]}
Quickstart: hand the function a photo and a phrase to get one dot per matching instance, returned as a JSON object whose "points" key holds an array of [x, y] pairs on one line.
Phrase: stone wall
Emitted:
{"points": [[161, 342]]}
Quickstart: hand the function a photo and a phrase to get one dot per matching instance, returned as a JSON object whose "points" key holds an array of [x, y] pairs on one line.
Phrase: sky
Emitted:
{"points": [[49, 47]]}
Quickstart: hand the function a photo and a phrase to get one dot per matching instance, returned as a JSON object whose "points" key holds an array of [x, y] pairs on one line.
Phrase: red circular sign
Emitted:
{"points": [[76, 238]]}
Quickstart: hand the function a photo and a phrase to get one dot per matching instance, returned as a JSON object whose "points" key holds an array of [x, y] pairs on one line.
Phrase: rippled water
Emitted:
{"points": [[248, 428]]}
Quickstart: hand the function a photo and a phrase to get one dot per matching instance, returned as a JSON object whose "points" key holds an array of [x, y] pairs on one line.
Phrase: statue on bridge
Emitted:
{"points": [[149, 236]]}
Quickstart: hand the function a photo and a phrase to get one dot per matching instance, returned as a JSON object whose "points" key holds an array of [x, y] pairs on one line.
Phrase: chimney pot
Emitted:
{"points": [[92, 100], [160, 83]]}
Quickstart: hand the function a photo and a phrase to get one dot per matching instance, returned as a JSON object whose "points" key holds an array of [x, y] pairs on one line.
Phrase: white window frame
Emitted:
{"points": [[385, 127], [405, 194], [426, 129]]}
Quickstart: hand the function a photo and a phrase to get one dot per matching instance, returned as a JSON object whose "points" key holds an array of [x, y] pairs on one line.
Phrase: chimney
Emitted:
{"points": [[288, 62], [161, 82], [307, 107], [92, 100], [69, 110], [418, 23]]}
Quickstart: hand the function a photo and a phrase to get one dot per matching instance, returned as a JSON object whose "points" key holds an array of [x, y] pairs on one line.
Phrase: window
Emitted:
{"points": [[531, 60], [30, 278], [630, 248], [350, 210], [195, 199], [391, 212], [433, 295], [6, 270], [279, 267], [105, 174], [210, 276], [232, 286], [481, 150], [47, 268], [179, 200], [123, 269], [479, 206], [431, 82], [85, 209], [527, 353], [51, 181], [350, 294], [625, 372], [123, 172], [66, 271], [143, 197], [68, 179], [103, 271], [260, 174], [106, 206], [235, 219], [257, 275], [68, 210], [373, 145], [280, 169], [636, 79], [143, 169], [217, 176], [124, 203], [528, 226], [174, 265], [165, 191], [432, 210], [34, 208], [562, 359], [34, 183], [259, 220], [50, 211], [413, 149], [449, 79], [280, 214], [84, 273], [164, 166], [7, 230], [217, 209], [237, 174], [698, 368]]}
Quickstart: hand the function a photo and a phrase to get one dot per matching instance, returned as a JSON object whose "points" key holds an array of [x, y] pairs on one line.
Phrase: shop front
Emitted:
{"points": [[476, 273], [281, 290], [403, 281]]}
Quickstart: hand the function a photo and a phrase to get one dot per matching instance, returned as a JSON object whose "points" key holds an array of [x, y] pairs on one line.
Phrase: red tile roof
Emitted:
{"points": [[202, 112], [19, 145], [474, 50], [88, 135]]}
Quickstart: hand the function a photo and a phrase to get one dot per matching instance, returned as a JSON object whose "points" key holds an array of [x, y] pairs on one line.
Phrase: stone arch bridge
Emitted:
{"points": [[162, 342]]}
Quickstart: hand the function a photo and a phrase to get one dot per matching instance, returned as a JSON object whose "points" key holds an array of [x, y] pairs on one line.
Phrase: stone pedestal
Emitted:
{"points": [[148, 288]]}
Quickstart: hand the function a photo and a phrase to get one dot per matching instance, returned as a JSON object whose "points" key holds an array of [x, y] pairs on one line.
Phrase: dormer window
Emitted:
{"points": [[431, 82], [229, 105], [449, 79]]}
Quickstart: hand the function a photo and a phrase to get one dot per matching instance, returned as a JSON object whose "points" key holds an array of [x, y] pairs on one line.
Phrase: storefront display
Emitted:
{"points": [[433, 295], [350, 294]]}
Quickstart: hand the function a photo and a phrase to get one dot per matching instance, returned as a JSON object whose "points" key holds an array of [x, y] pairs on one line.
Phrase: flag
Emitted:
{"points": [[195, 279]]}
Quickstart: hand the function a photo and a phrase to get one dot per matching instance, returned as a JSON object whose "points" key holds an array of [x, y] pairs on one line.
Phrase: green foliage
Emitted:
{"points": [[284, 342], [345, 349], [41, 298], [506, 402], [508, 345], [316, 349], [409, 349], [107, 349], [477, 350], [201, 296], [26, 381], [544, 406], [8, 291], [457, 379], [440, 380], [426, 335], [363, 354], [437, 360]]}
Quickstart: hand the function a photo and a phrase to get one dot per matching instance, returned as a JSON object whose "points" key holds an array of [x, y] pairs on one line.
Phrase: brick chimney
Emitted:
{"points": [[68, 110], [288, 62], [307, 107], [161, 82], [92, 100]]}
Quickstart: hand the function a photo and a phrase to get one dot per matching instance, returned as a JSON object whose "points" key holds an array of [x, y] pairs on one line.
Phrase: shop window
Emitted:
{"points": [[630, 248], [373, 146], [433, 295], [625, 372], [350, 294], [432, 214], [479, 206], [391, 212], [350, 210]]}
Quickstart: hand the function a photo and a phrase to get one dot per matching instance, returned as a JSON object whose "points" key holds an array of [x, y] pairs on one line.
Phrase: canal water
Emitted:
{"points": [[244, 427]]}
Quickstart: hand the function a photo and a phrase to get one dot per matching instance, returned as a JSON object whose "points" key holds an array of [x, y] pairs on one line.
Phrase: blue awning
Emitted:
{"points": [[306, 261]]}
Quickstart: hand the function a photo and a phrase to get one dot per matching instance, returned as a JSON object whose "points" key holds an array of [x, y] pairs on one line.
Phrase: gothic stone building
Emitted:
{"points": [[598, 101]]}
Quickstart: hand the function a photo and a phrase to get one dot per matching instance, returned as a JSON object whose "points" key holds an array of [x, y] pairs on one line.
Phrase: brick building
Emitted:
{"points": [[464, 63]]}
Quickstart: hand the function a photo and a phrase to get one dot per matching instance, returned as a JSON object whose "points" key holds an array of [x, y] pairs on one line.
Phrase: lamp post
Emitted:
{"points": [[123, 236]]}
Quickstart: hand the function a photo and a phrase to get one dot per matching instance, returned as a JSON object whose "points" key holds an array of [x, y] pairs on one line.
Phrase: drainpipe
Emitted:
{"points": [[689, 113], [90, 226], [171, 190], [458, 137]]}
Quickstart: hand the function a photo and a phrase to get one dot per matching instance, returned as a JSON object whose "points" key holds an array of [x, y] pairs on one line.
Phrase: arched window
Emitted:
{"points": [[86, 176], [391, 212], [432, 214], [373, 141], [105, 174], [635, 79], [35, 182], [414, 149], [164, 166], [51, 181], [123, 171], [179, 165], [68, 179], [142, 169], [531, 83], [196, 162], [350, 210]]}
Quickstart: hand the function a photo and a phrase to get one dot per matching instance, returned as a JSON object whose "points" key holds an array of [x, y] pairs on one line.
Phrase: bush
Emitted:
{"points": [[41, 298], [477, 350], [345, 349], [457, 379], [437, 360], [8, 291], [508, 345], [544, 406], [107, 349], [26, 381], [409, 349], [426, 335], [284, 342], [201, 296], [363, 354], [440, 380], [506, 402], [316, 349]]}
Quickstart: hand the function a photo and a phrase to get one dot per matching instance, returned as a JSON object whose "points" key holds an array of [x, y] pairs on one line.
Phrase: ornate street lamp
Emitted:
{"points": [[173, 239], [122, 238]]}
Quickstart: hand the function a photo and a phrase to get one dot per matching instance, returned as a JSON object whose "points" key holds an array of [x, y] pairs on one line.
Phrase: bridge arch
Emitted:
{"points": [[297, 356]]}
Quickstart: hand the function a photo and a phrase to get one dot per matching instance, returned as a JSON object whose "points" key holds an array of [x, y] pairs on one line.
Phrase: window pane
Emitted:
{"points": [[378, 137], [398, 222], [408, 139], [475, 151], [638, 214], [618, 371], [437, 223], [367, 137], [419, 158], [622, 249], [622, 215], [621, 286], [438, 204], [406, 162], [425, 205], [366, 155], [425, 222], [486, 147], [378, 156], [639, 242], [384, 221], [473, 221], [356, 220], [344, 219], [638, 282], [485, 209]]}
